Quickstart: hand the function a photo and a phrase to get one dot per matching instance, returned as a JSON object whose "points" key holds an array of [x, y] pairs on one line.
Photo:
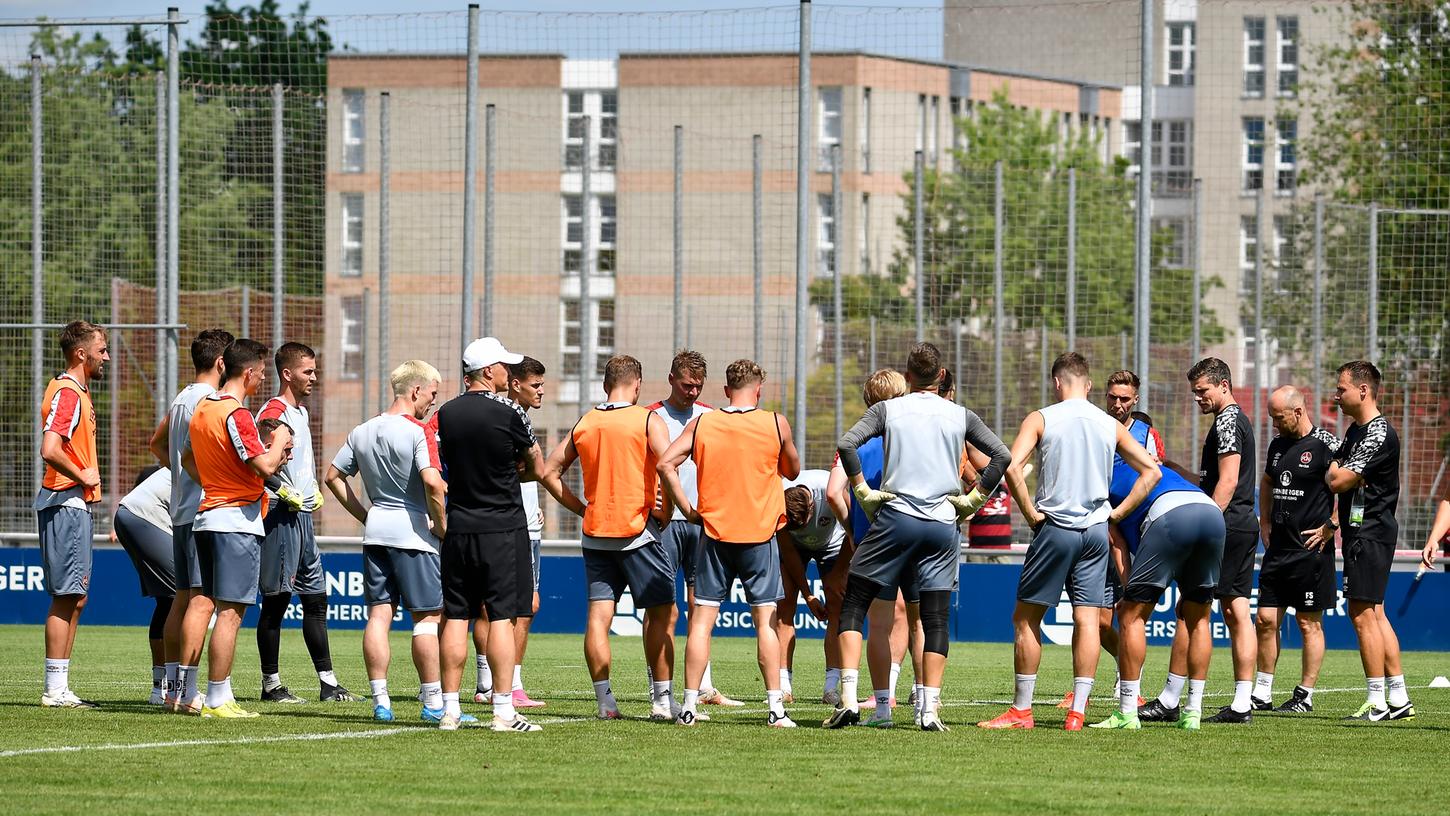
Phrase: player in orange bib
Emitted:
{"points": [[69, 489], [740, 454], [618, 444]]}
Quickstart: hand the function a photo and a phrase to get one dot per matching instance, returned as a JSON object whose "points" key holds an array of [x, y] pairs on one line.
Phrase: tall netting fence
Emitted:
{"points": [[965, 173]]}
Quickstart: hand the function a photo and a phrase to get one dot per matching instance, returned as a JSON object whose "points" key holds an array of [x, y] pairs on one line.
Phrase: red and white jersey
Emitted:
{"points": [[675, 422]]}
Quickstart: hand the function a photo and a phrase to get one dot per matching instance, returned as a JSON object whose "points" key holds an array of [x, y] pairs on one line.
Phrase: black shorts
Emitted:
{"points": [[1302, 580], [1367, 569], [1236, 575], [492, 572]]}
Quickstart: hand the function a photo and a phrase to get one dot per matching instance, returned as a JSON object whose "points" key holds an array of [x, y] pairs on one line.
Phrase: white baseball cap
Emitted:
{"points": [[485, 351]]}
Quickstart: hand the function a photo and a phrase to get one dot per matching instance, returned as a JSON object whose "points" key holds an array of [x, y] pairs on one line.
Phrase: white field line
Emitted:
{"points": [[141, 746]]}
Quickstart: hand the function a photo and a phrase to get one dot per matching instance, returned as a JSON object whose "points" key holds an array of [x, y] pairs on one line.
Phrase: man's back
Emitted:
{"points": [[390, 452], [185, 492], [481, 439], [1076, 454]]}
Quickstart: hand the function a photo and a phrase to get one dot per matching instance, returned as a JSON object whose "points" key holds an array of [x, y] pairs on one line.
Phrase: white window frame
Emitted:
{"points": [[827, 236], [933, 130], [350, 337], [1286, 50], [352, 206], [354, 130], [1248, 245], [1133, 146], [1254, 68], [1182, 76], [569, 352], [603, 129], [1281, 226], [1250, 166], [863, 235], [829, 121], [921, 123], [1286, 155], [1177, 255], [865, 135], [603, 224]]}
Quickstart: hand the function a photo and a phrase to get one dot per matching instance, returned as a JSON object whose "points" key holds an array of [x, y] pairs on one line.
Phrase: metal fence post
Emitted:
{"points": [[1196, 342], [872, 350], [802, 218], [1042, 380], [365, 367], [246, 323], [385, 249], [1071, 258], [586, 267], [279, 227], [678, 243], [999, 310], [757, 260], [918, 251], [1261, 353], [837, 314], [162, 397], [37, 255], [1317, 329], [470, 180], [173, 194], [1144, 293], [1373, 341], [957, 330], [490, 164]]}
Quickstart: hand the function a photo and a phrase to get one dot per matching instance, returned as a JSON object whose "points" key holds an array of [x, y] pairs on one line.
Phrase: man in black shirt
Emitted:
{"points": [[1366, 476], [1298, 570], [484, 440]]}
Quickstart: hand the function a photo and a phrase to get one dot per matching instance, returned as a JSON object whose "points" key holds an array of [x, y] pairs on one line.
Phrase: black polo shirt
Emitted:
{"points": [[482, 437]]}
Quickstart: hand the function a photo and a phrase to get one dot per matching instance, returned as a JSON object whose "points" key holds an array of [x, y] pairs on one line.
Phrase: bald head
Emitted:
{"points": [[1287, 396], [1288, 412]]}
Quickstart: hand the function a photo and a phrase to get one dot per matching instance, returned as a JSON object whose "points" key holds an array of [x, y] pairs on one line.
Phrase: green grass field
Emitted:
{"points": [[331, 758]]}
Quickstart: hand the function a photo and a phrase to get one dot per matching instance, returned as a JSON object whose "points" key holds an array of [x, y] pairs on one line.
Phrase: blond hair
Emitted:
{"points": [[883, 384], [742, 373], [411, 374]]}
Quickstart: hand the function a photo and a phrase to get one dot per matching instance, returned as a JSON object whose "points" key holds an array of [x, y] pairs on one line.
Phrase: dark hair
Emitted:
{"points": [[525, 368], [620, 369], [797, 507], [1363, 372], [208, 346], [241, 355], [948, 382], [76, 334], [923, 363], [1124, 377], [688, 362], [145, 474], [1070, 363], [1213, 368], [270, 424], [1142, 417], [290, 354]]}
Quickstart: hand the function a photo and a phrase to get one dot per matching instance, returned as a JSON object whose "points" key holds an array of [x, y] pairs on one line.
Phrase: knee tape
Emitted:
{"points": [[934, 616], [860, 592], [425, 628]]}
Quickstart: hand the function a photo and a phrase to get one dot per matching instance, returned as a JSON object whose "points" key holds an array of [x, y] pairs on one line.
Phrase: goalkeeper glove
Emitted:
{"points": [[318, 499], [289, 496], [871, 500], [968, 505]]}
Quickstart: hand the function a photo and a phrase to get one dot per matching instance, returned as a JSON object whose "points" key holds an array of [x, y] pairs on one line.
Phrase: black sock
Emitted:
{"points": [[314, 631], [269, 630]]}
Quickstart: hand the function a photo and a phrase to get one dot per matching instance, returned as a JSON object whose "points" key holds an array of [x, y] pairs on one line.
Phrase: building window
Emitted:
{"points": [[1248, 253], [353, 131], [352, 235], [603, 223], [351, 340], [1180, 54], [828, 124], [921, 122], [1133, 146], [825, 235], [933, 127], [1287, 30], [1254, 56], [1175, 254], [1173, 157], [572, 332], [961, 109], [1253, 153], [1284, 259], [602, 108], [1286, 139], [864, 235], [865, 137]]}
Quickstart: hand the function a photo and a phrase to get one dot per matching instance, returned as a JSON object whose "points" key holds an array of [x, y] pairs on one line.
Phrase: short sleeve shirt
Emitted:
{"points": [[185, 493], [62, 417], [822, 533], [391, 452], [1371, 450], [482, 437], [1301, 500], [1231, 433]]}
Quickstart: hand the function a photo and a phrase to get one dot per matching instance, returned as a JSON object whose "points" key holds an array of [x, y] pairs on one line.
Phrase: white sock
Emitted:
{"points": [[603, 695], [57, 675], [775, 699], [218, 693], [895, 673], [158, 676], [1022, 698], [379, 691], [1172, 690], [649, 679], [692, 699], [849, 678], [1082, 689], [833, 679], [660, 694], [503, 705], [186, 680], [450, 704], [432, 695], [1398, 695], [270, 681], [1195, 696], [485, 674], [930, 696], [707, 683], [518, 678], [327, 678], [1263, 686], [785, 678], [1376, 687], [170, 679], [1308, 694], [883, 703], [1128, 696], [1117, 683], [1243, 691], [916, 689]]}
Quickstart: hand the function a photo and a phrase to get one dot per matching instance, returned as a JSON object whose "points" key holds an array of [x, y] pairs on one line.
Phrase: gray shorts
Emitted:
{"points": [[65, 545], [1059, 558], [291, 561], [1184, 545], [756, 565], [901, 550], [230, 564], [536, 550], [408, 578], [183, 552], [150, 549], [682, 541], [647, 571]]}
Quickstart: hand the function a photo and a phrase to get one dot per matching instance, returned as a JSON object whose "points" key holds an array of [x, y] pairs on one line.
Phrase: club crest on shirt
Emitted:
{"points": [[1305, 458]]}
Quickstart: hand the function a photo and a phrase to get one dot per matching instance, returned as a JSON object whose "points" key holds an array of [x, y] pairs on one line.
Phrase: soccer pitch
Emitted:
{"points": [[331, 758]]}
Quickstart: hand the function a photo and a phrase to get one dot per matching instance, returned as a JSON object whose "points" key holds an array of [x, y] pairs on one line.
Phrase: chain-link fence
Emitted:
{"points": [[813, 186]]}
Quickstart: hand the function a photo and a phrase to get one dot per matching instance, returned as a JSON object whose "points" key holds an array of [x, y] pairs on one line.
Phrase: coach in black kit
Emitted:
{"points": [[1298, 571]]}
